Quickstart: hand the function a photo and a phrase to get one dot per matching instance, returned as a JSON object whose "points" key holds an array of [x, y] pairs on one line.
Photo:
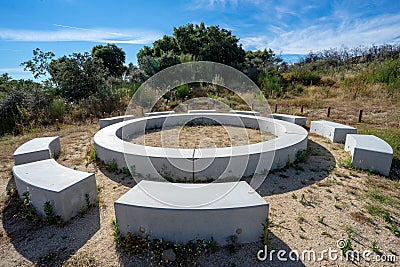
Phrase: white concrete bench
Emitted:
{"points": [[369, 152], [335, 132], [109, 121], [67, 190], [202, 111], [299, 120], [184, 212], [151, 114], [37, 149], [245, 112]]}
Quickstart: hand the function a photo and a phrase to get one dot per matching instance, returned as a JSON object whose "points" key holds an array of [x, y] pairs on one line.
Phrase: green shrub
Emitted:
{"points": [[182, 91], [57, 109], [305, 76], [23, 105], [272, 84], [50, 216]]}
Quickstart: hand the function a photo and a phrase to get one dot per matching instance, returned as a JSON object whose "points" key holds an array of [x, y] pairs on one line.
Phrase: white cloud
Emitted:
{"points": [[11, 70], [317, 37], [17, 73], [70, 33]]}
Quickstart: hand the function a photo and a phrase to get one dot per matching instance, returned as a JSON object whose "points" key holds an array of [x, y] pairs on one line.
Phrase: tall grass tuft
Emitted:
{"points": [[57, 109]]}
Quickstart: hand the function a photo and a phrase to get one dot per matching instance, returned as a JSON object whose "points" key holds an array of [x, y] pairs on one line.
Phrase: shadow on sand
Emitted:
{"points": [[48, 245], [317, 167]]}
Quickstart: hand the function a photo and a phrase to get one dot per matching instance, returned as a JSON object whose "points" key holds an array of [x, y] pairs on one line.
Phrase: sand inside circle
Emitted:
{"points": [[201, 136]]}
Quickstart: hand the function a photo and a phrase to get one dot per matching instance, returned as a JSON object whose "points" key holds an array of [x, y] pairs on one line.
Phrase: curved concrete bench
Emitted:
{"points": [[184, 212], [67, 190], [290, 118], [151, 114], [335, 132], [200, 164], [245, 112], [369, 152], [109, 121], [37, 149]]}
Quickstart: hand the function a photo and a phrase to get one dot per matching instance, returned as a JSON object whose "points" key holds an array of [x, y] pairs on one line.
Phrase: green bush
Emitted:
{"points": [[182, 91], [272, 84], [305, 76], [57, 109], [387, 72], [23, 106]]}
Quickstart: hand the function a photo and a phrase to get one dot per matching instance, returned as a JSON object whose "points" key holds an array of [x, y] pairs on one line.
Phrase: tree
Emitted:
{"points": [[78, 75], [38, 65], [136, 75], [113, 58], [260, 60], [192, 42]]}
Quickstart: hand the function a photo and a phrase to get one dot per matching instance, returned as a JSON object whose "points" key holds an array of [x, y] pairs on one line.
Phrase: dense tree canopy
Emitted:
{"points": [[196, 41], [78, 75], [113, 58]]}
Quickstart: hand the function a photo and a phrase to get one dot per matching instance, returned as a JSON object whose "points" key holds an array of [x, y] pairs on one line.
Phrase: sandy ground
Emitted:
{"points": [[203, 136], [312, 206]]}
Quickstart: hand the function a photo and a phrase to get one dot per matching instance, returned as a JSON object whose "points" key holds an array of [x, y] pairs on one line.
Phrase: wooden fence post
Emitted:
{"points": [[360, 115], [328, 114]]}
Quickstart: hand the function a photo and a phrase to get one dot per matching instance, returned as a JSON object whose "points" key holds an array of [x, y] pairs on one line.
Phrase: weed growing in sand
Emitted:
{"points": [[303, 200], [50, 215], [374, 210], [346, 246], [324, 233], [375, 248], [321, 219], [302, 156], [112, 166], [186, 254]]}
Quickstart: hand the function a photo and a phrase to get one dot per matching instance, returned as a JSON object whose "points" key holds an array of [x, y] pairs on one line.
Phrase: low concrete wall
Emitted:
{"points": [[299, 120], [244, 112], [202, 111], [66, 189], [151, 114], [184, 212], [369, 153], [37, 149], [335, 132], [109, 121], [201, 164]]}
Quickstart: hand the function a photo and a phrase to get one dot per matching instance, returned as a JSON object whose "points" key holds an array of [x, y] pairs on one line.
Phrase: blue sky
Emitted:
{"points": [[287, 27]]}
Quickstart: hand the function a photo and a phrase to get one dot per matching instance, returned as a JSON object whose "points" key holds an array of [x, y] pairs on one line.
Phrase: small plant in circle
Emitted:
{"points": [[348, 162], [93, 153], [232, 243], [375, 248], [302, 156], [345, 245], [393, 228], [303, 200], [50, 216], [112, 166]]}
